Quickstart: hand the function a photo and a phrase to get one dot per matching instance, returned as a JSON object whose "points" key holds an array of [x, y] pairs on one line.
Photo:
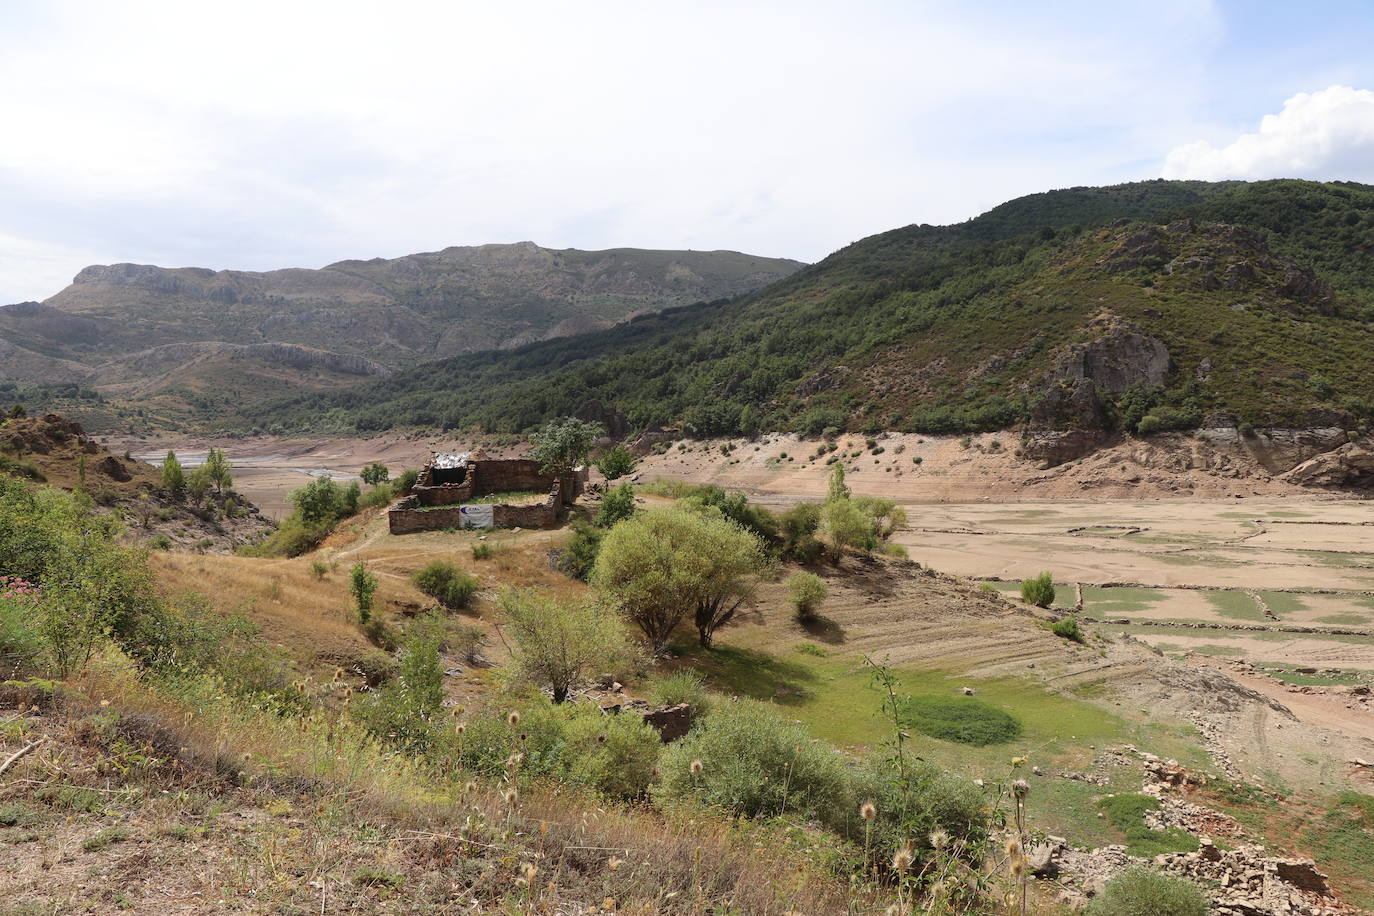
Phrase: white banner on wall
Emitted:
{"points": [[476, 516]]}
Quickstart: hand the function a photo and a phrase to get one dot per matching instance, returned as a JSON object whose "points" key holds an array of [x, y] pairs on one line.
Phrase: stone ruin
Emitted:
{"points": [[447, 495]]}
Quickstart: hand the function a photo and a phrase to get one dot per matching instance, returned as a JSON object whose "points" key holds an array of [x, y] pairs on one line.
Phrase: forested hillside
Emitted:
{"points": [[1177, 301]]}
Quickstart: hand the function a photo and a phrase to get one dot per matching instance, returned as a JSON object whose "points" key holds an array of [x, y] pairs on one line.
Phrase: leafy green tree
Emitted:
{"points": [[559, 644], [616, 463], [217, 466], [173, 477], [846, 526], [563, 444], [198, 483], [375, 474], [806, 591], [617, 505], [321, 500], [837, 489], [797, 528], [663, 564], [362, 586]]}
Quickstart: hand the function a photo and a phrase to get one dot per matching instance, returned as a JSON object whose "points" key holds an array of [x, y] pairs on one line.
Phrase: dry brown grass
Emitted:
{"points": [[246, 811]]}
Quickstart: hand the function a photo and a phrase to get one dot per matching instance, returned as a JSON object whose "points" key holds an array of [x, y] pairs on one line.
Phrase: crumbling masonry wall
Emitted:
{"points": [[438, 491]]}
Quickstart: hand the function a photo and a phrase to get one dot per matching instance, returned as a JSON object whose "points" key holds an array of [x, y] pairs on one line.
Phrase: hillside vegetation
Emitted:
{"points": [[1255, 299]]}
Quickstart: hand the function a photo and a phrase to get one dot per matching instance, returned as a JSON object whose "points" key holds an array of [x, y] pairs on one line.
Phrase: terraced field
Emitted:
{"points": [[1275, 582]]}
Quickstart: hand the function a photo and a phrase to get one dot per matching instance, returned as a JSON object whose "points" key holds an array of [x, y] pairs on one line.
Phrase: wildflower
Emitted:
{"points": [[939, 838], [867, 811], [901, 861], [1017, 761]]}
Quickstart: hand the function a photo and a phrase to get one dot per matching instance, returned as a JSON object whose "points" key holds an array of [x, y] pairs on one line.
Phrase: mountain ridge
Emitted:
{"points": [[958, 328]]}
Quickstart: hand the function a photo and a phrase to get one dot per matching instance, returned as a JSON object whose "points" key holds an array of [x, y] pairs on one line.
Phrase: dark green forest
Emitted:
{"points": [[950, 328]]}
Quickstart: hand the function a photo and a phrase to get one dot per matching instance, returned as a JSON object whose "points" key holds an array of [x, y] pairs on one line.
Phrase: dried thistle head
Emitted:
{"points": [[613, 863], [527, 871], [868, 811], [460, 728], [457, 711], [695, 767], [513, 717], [511, 795], [338, 675], [939, 839], [469, 788], [901, 860], [1017, 867], [601, 738], [1013, 848], [1019, 788]]}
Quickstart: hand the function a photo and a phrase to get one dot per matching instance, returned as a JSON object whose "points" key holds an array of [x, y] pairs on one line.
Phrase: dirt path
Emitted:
{"points": [[1325, 710]]}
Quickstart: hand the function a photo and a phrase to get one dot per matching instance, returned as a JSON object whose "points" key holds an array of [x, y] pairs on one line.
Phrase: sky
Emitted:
{"points": [[259, 135]]}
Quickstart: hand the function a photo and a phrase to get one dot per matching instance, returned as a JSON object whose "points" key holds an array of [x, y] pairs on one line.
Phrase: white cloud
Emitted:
{"points": [[294, 134], [1321, 135]]}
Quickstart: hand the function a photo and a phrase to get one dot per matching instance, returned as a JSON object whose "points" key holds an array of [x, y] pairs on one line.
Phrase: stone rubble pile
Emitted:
{"points": [[1253, 884]]}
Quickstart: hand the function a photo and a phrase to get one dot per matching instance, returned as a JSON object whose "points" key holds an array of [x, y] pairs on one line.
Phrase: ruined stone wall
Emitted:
{"points": [[513, 474]]}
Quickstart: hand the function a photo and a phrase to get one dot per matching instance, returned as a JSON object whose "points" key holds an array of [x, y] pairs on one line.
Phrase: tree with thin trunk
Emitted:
{"points": [[560, 644], [661, 565]]}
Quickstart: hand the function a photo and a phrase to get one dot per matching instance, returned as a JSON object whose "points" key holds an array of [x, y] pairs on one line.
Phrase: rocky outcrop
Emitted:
{"points": [[1276, 450], [1349, 467], [1119, 357]]}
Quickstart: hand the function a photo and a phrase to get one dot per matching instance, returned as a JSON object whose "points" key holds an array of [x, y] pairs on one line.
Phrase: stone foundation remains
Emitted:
{"points": [[449, 480]]}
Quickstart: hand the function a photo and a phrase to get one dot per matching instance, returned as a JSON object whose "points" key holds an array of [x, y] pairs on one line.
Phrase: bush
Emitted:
{"points": [[797, 529], [362, 585], [1142, 891], [617, 505], [616, 755], [806, 591], [579, 557], [1038, 591], [481, 550], [681, 687], [961, 719], [446, 584], [405, 482], [319, 569], [752, 762], [911, 804], [616, 463], [1067, 628]]}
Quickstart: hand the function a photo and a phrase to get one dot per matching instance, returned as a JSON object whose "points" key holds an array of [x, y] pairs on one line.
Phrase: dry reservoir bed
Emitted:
{"points": [[1277, 582]]}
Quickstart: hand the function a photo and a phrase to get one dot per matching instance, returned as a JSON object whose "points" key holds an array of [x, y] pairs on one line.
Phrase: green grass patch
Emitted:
{"points": [[1233, 604], [1345, 620], [1107, 601], [1288, 675], [1343, 842], [1126, 812], [961, 719], [1282, 603]]}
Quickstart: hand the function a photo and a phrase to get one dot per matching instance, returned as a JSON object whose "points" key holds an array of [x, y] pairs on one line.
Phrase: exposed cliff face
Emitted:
{"points": [[1068, 419]]}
